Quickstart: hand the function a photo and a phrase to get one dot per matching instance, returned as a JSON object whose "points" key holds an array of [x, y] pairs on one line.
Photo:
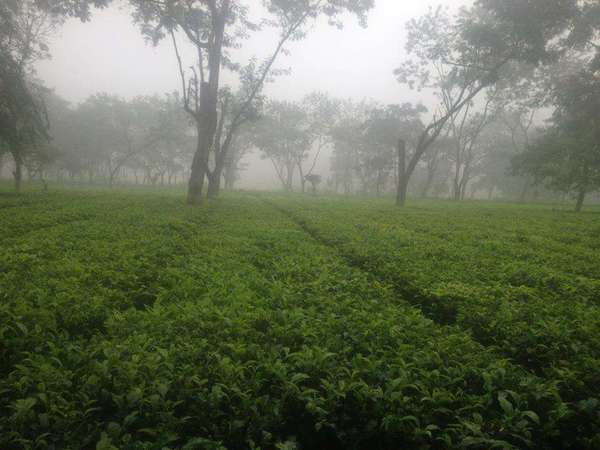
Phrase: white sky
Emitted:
{"points": [[108, 54]]}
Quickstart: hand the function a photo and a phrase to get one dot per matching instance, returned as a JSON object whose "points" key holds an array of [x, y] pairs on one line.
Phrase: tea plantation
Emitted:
{"points": [[129, 320]]}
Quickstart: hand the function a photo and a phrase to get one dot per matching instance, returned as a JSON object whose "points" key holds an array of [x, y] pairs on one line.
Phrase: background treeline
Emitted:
{"points": [[106, 139], [493, 150], [516, 91]]}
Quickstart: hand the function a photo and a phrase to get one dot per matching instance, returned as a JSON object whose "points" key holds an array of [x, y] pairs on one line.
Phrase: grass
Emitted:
{"points": [[131, 321]]}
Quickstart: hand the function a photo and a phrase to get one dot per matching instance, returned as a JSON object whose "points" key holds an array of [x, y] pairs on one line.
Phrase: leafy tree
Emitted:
{"points": [[384, 127], [314, 180], [365, 141], [214, 27], [230, 125], [518, 121], [347, 137], [241, 145], [167, 142], [109, 136], [283, 140], [435, 161], [567, 157], [71, 8], [469, 52], [25, 26], [24, 30], [321, 113], [465, 129]]}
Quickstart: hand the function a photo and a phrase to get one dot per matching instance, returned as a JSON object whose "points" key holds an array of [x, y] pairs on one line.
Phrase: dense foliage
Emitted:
{"points": [[259, 321]]}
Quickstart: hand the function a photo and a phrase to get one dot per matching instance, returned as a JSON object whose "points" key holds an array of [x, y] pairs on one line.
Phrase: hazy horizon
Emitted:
{"points": [[109, 54]]}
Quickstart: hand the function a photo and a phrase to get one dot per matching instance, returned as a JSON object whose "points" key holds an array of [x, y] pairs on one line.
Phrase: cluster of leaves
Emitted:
{"points": [[523, 282], [106, 135], [159, 326]]}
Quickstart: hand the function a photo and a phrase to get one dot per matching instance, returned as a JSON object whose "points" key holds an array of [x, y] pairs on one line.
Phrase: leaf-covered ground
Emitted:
{"points": [[131, 321]]}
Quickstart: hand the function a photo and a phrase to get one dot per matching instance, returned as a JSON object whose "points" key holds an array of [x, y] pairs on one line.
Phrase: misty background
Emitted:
{"points": [[110, 55]]}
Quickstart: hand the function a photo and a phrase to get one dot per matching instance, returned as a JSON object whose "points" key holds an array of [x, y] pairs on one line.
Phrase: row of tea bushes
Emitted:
{"points": [[152, 325], [459, 278]]}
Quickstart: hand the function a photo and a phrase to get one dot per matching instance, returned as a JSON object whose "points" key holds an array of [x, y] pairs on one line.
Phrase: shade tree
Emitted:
{"points": [[213, 28], [24, 31], [566, 157], [282, 138], [472, 50]]}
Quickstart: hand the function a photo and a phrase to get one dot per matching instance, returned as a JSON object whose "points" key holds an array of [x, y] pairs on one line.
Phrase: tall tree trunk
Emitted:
{"points": [[464, 182], [229, 178], [524, 191], [457, 178], [402, 175], [207, 116], [302, 176], [18, 172], [289, 182], [199, 165], [580, 199], [428, 183], [456, 190], [214, 184]]}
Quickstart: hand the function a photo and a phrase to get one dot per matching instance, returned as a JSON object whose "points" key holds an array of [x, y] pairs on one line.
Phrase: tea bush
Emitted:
{"points": [[130, 321], [524, 281]]}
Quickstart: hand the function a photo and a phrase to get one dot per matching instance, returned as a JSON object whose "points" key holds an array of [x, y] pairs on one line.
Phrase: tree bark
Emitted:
{"points": [[214, 184], [402, 175], [524, 191], [289, 181], [199, 164], [580, 199], [206, 115], [229, 176], [428, 183], [18, 172]]}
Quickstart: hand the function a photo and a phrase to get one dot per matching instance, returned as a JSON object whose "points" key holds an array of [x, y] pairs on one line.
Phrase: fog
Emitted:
{"points": [[109, 54], [384, 236]]}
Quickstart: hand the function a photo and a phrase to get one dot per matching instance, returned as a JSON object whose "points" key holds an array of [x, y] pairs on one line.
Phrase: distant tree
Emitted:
{"points": [[213, 27], [365, 140], [383, 128], [166, 146], [110, 137], [70, 8], [108, 128], [24, 30], [314, 181], [567, 157], [321, 113], [281, 137], [241, 145], [230, 125], [347, 136], [25, 26], [519, 121], [471, 52], [64, 136], [549, 28], [433, 159], [465, 130]]}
